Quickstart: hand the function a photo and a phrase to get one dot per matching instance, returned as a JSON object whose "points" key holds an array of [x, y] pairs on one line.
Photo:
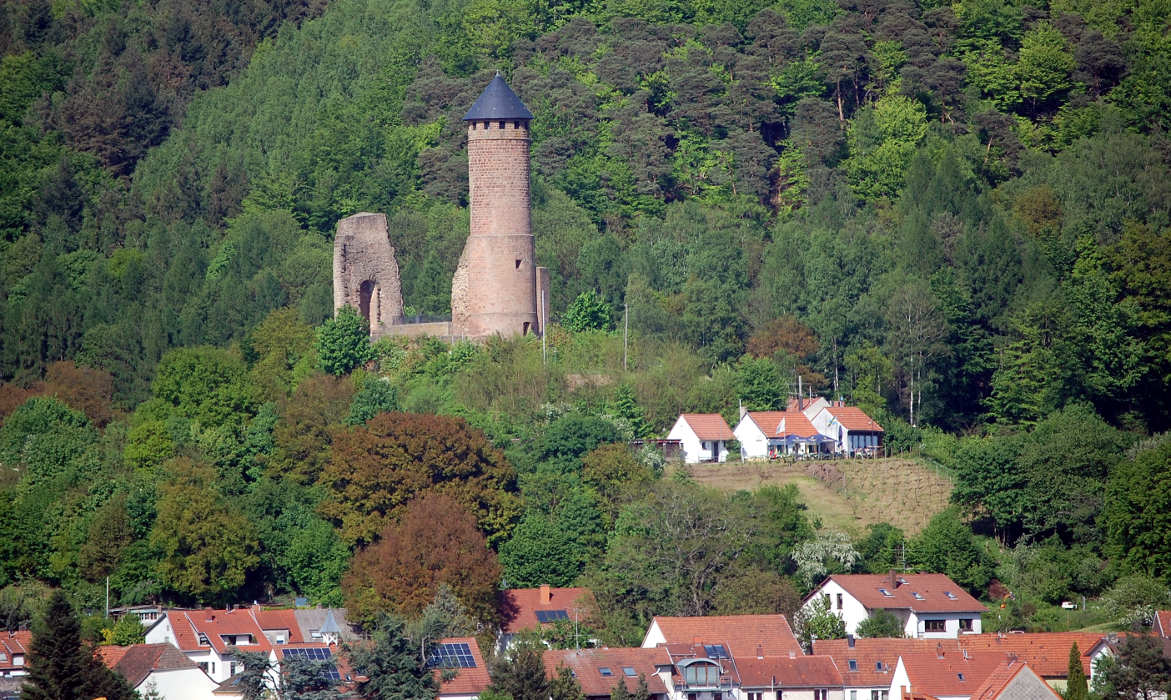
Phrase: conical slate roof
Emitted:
{"points": [[498, 101]]}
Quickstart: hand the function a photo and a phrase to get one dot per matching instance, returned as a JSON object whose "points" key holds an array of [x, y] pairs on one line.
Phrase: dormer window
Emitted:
{"points": [[203, 640]]}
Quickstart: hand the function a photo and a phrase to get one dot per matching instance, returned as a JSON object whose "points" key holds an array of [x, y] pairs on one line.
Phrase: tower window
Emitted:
{"points": [[502, 124], [516, 125], [518, 263]]}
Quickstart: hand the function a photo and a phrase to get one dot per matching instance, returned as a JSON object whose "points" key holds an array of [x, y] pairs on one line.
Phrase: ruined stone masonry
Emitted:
{"points": [[497, 288]]}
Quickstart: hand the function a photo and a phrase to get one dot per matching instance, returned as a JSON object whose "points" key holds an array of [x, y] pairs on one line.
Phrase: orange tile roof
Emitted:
{"points": [[932, 591], [854, 418], [944, 672], [136, 662], [587, 665], [467, 681], [874, 659], [1047, 653], [767, 421], [709, 426], [520, 605], [794, 423], [188, 624], [12, 644], [999, 679], [743, 635], [279, 619], [1163, 623], [788, 672]]}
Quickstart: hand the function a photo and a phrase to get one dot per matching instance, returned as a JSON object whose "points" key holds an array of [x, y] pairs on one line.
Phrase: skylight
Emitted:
{"points": [[950, 595], [715, 651], [605, 671], [629, 670], [886, 593], [916, 595], [853, 664]]}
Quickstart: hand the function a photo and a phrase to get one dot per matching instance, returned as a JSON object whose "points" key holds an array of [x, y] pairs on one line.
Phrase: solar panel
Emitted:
{"points": [[715, 651], [315, 654], [451, 655], [551, 615]]}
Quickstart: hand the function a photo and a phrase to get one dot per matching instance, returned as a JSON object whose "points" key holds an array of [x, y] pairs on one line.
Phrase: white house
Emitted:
{"points": [[928, 605], [209, 637], [770, 434], [704, 437], [849, 427], [159, 668]]}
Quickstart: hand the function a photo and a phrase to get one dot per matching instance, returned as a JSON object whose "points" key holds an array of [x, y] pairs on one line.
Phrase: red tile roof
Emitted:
{"points": [[1004, 674], [743, 635], [587, 665], [921, 593], [709, 426], [854, 418], [874, 659], [521, 605], [1047, 653], [12, 644], [279, 619], [944, 672], [767, 421], [467, 681], [794, 423], [188, 624], [788, 672], [1163, 623], [136, 662]]}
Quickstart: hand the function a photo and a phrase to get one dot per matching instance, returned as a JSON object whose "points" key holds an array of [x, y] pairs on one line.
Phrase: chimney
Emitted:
{"points": [[759, 651], [893, 582], [546, 594], [939, 650], [850, 640], [792, 654]]}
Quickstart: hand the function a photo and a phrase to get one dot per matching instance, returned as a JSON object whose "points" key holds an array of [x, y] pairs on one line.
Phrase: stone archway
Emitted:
{"points": [[365, 271]]}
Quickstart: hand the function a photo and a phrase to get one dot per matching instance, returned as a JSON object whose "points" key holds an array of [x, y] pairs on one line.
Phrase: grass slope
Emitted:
{"points": [[900, 491]]}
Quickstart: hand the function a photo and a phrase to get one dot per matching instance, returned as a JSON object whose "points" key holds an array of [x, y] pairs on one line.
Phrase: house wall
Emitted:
{"points": [[825, 424], [852, 612], [753, 442], [180, 684], [916, 625], [654, 636], [899, 681], [867, 693], [161, 633], [833, 693], [694, 449]]}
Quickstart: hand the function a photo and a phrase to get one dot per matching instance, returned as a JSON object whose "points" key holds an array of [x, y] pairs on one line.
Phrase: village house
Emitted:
{"points": [[161, 669], [600, 670], [459, 668], [789, 678], [928, 605], [14, 646], [867, 665], [741, 635], [529, 608], [854, 432], [1046, 653], [704, 437], [772, 434], [945, 674], [1012, 680]]}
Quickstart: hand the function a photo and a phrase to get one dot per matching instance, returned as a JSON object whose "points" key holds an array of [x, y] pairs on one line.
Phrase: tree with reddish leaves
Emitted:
{"points": [[436, 542], [378, 468]]}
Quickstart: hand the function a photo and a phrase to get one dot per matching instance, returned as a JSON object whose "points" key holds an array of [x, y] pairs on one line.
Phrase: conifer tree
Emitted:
{"points": [[620, 692], [61, 667], [522, 676], [1076, 687]]}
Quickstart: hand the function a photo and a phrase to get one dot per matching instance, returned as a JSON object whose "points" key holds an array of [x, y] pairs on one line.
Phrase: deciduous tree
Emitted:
{"points": [[435, 542]]}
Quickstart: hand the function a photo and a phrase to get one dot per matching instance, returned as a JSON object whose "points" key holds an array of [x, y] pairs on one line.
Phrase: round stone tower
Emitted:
{"points": [[494, 291]]}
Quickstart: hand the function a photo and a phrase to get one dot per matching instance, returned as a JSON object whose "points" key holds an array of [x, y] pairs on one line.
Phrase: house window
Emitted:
{"points": [[826, 597], [205, 666], [950, 595], [839, 601], [886, 593], [605, 671], [820, 693], [853, 664], [629, 671], [853, 695], [213, 668], [965, 624], [934, 625], [756, 696]]}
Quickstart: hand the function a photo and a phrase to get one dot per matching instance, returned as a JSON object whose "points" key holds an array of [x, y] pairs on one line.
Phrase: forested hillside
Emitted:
{"points": [[954, 215]]}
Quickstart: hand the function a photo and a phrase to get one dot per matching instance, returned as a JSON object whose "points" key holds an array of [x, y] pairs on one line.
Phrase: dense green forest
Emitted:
{"points": [[954, 215]]}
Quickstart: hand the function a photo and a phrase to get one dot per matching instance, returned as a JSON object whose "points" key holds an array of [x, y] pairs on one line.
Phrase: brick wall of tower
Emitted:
{"points": [[494, 290]]}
